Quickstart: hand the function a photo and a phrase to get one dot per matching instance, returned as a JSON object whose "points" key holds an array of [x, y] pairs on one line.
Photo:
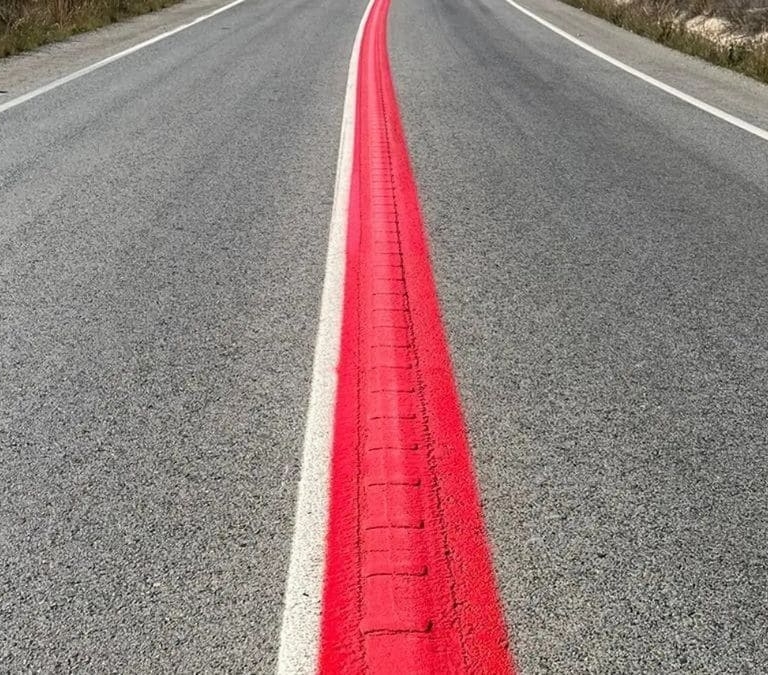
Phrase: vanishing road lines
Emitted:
{"points": [[408, 584]]}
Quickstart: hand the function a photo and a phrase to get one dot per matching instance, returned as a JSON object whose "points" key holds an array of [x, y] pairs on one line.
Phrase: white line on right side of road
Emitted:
{"points": [[692, 100], [110, 59], [300, 633]]}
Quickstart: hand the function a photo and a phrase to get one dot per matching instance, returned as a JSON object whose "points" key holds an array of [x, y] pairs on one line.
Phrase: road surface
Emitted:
{"points": [[600, 252]]}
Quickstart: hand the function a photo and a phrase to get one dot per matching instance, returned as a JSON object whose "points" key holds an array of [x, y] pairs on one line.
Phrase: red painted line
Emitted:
{"points": [[409, 584]]}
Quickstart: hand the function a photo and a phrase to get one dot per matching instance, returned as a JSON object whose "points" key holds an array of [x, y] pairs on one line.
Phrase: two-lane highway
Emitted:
{"points": [[600, 254]]}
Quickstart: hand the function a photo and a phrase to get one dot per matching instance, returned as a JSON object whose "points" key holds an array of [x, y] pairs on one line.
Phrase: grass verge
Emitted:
{"points": [[26, 24], [665, 22]]}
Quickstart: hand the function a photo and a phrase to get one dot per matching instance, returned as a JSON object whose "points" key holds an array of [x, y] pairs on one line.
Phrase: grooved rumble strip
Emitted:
{"points": [[408, 583]]}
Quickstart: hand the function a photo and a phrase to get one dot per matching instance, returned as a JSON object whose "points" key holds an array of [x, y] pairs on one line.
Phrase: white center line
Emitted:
{"points": [[299, 637], [692, 100]]}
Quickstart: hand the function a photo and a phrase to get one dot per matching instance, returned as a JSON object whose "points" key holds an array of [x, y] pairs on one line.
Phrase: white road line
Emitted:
{"points": [[111, 59], [692, 100], [300, 632]]}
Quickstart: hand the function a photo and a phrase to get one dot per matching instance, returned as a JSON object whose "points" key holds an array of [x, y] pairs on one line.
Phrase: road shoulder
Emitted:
{"points": [[725, 89], [25, 72]]}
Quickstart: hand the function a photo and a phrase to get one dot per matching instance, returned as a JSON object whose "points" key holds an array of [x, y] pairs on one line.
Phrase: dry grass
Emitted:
{"points": [[26, 24], [742, 46]]}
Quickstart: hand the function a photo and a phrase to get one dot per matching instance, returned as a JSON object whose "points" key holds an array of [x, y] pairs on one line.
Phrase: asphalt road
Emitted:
{"points": [[601, 252], [601, 255], [163, 245]]}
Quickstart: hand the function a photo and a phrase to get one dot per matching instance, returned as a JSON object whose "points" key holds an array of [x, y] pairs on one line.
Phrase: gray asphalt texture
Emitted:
{"points": [[162, 250], [601, 251]]}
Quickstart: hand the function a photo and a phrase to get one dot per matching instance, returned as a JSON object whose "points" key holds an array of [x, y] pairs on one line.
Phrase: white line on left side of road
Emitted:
{"points": [[300, 632], [111, 59], [672, 91]]}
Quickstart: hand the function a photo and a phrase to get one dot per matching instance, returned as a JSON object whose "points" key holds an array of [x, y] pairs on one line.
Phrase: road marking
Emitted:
{"points": [[692, 100], [409, 584], [299, 636], [111, 59]]}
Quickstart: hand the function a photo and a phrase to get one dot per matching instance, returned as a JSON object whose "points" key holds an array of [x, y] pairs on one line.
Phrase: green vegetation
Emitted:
{"points": [[26, 24], [742, 48]]}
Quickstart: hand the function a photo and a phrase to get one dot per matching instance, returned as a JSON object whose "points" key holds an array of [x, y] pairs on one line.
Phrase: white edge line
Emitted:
{"points": [[111, 59], [300, 632], [692, 100]]}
